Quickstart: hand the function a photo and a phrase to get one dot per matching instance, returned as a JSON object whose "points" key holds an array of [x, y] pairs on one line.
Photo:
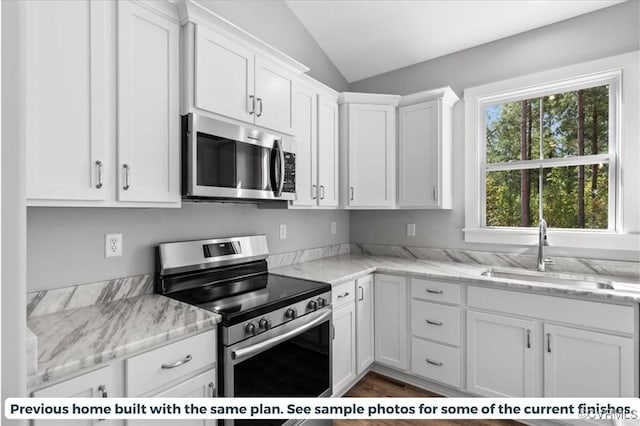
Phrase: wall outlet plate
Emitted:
{"points": [[334, 228], [283, 231], [411, 229], [112, 245]]}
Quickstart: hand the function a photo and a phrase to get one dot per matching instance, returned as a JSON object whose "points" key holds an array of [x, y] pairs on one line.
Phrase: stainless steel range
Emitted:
{"points": [[275, 334]]}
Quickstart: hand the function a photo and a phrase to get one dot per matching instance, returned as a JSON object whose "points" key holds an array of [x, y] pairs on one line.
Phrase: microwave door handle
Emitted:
{"points": [[280, 151]]}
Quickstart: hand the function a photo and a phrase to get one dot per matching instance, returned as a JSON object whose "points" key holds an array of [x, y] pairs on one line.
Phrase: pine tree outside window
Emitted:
{"points": [[551, 153]]}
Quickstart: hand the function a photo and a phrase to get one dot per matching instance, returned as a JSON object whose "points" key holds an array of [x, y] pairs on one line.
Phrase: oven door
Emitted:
{"points": [[292, 360], [224, 160]]}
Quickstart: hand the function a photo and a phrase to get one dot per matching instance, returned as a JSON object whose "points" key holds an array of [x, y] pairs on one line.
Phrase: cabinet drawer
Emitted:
{"points": [[436, 362], [435, 291], [145, 372], [343, 294], [435, 322]]}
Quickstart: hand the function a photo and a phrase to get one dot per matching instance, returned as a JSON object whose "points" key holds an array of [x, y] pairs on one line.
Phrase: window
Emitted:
{"points": [[551, 156], [564, 142]]}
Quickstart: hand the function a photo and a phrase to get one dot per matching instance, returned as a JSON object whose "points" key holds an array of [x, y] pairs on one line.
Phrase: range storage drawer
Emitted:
{"points": [[435, 291], [435, 362], [343, 294], [150, 370], [435, 322]]}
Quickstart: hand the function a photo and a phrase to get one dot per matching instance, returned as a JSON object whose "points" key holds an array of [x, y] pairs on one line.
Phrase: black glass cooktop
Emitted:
{"points": [[238, 300]]}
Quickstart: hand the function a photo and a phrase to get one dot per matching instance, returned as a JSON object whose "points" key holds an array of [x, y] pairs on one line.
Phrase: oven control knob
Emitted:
{"points": [[291, 313], [251, 328], [322, 302], [265, 323], [313, 305]]}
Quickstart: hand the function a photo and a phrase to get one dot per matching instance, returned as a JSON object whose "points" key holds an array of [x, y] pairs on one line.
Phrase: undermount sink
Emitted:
{"points": [[550, 278]]}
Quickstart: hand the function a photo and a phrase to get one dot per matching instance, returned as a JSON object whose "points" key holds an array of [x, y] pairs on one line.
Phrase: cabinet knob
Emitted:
{"points": [[103, 391]]}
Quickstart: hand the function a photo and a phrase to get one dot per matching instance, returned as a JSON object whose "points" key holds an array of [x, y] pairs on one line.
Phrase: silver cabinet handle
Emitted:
{"points": [[340, 296], [434, 322], [314, 192], [361, 293], [549, 342], [103, 391], [528, 339], [322, 192], [260, 101], [213, 389], [333, 332], [434, 291], [436, 363], [178, 363], [351, 193], [127, 172], [435, 194], [252, 99], [100, 179]]}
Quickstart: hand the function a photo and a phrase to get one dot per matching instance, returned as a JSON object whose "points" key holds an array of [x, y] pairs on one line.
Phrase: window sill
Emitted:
{"points": [[557, 238]]}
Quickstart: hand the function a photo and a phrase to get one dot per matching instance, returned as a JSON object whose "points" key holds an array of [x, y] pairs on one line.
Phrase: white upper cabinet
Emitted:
{"points": [[67, 110], [424, 149], [328, 195], [273, 91], [315, 117], [148, 106], [227, 90], [102, 81], [232, 74], [368, 155]]}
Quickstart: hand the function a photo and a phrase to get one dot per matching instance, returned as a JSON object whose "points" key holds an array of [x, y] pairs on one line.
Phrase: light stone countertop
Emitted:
{"points": [[340, 269], [75, 339]]}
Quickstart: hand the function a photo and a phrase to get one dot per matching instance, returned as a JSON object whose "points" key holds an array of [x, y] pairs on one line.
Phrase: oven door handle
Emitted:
{"points": [[241, 354]]}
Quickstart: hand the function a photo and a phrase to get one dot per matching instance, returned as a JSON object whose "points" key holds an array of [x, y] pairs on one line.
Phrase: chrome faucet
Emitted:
{"points": [[542, 241]]}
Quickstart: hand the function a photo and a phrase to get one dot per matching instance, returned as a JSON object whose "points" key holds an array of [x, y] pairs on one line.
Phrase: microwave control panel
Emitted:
{"points": [[289, 172]]}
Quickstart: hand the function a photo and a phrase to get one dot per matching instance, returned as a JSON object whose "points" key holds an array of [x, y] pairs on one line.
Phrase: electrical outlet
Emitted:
{"points": [[333, 228], [411, 229], [112, 245], [283, 231]]}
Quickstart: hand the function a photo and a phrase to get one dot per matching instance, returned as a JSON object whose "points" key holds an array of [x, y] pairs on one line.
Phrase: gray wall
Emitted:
{"points": [[603, 33], [66, 245], [274, 23]]}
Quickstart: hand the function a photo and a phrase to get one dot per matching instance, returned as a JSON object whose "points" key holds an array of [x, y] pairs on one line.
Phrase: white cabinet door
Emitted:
{"points": [[579, 363], [327, 152], [344, 348], [274, 89], [372, 143], [419, 167], [500, 355], [224, 79], [390, 318], [67, 92], [304, 128], [201, 386], [96, 384], [364, 323], [148, 106]]}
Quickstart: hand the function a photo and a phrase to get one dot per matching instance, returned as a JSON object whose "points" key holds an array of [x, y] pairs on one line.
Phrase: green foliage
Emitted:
{"points": [[560, 122]]}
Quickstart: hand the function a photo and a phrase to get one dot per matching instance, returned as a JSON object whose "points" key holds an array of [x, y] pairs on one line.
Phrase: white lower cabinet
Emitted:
{"points": [[435, 361], [580, 363], [344, 342], [500, 356], [95, 384], [200, 386], [364, 323], [390, 320]]}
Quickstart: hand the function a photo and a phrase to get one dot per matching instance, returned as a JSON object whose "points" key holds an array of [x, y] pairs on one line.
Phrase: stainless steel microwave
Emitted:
{"points": [[225, 161]]}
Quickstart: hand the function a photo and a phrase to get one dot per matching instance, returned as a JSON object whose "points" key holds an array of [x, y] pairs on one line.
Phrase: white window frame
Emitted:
{"points": [[612, 71]]}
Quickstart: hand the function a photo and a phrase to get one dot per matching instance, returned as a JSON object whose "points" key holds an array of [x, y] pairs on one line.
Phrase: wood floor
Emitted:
{"points": [[374, 385]]}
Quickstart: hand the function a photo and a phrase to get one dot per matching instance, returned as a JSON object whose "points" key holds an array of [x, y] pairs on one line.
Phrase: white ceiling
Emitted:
{"points": [[370, 37]]}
